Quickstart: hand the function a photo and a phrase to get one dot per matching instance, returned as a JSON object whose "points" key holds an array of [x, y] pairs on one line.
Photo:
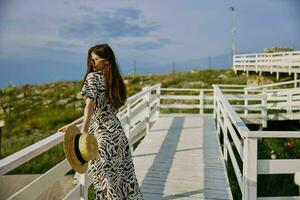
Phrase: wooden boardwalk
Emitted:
{"points": [[181, 158]]}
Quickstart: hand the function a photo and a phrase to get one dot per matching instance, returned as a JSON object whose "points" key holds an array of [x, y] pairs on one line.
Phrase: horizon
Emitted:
{"points": [[128, 74]]}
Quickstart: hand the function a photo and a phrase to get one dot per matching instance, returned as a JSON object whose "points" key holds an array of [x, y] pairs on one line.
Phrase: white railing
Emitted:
{"points": [[201, 99], [279, 62], [135, 116], [204, 97], [229, 123], [252, 104], [229, 103], [276, 101]]}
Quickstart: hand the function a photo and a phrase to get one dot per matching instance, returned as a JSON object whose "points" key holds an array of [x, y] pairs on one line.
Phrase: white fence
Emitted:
{"points": [[233, 106], [254, 105], [274, 103], [229, 123], [135, 116], [279, 62], [201, 99]]}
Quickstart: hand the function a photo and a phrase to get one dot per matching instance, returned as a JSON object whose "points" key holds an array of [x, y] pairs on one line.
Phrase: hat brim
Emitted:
{"points": [[69, 149]]}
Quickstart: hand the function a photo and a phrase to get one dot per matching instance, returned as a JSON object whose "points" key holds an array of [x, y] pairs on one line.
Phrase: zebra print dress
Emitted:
{"points": [[113, 171]]}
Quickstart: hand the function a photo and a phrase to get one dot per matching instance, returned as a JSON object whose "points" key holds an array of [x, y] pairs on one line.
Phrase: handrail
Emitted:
{"points": [[231, 86], [236, 93], [235, 119], [142, 93], [274, 134], [271, 85], [185, 89], [274, 53], [20, 157], [247, 144]]}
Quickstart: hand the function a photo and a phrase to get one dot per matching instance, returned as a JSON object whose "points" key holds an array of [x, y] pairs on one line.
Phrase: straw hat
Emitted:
{"points": [[79, 148]]}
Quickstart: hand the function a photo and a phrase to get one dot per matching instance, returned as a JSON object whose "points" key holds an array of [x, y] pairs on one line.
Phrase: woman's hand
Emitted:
{"points": [[63, 129], [82, 131]]}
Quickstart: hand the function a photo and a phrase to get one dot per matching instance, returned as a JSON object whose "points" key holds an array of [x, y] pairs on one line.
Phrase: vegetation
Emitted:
{"points": [[277, 49]]}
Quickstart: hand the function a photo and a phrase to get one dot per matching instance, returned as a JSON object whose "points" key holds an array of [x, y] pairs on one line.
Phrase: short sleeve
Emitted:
{"points": [[89, 88]]}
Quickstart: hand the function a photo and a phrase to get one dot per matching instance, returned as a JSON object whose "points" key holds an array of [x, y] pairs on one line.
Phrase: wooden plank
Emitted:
{"points": [[175, 97], [138, 109], [278, 166], [142, 93], [181, 158], [274, 134], [137, 130], [256, 118], [179, 106]]}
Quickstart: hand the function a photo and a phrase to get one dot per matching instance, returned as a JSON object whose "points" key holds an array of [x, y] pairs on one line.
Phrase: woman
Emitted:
{"points": [[105, 92]]}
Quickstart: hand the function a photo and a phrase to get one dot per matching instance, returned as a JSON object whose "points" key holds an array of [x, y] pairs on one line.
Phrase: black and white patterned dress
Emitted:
{"points": [[113, 171]]}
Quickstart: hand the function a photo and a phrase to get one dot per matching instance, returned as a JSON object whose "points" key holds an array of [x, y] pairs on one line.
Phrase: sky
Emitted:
{"points": [[45, 41]]}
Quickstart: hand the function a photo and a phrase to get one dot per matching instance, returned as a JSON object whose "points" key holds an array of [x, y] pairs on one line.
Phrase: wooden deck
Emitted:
{"points": [[181, 158]]}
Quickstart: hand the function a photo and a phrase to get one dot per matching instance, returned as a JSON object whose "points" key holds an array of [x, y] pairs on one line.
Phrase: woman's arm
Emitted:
{"points": [[88, 112], [77, 121]]}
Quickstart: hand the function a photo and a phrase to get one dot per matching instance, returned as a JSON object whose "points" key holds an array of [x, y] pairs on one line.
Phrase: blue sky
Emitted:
{"points": [[44, 41]]}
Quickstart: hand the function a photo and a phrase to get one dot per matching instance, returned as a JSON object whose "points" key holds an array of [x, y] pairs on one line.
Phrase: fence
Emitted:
{"points": [[229, 104], [256, 104], [229, 123], [279, 62]]}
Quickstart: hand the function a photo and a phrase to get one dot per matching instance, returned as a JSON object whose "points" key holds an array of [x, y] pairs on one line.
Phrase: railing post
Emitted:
{"points": [[289, 63], [201, 102], [256, 62], [264, 108], [225, 137], [271, 69], [234, 67], [250, 169], [289, 103], [297, 180], [158, 101], [215, 105], [246, 102], [128, 125], [216, 111], [147, 100], [218, 118], [83, 179]]}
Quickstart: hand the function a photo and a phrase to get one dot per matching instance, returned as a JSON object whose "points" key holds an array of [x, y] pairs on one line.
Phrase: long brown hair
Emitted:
{"points": [[114, 84]]}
